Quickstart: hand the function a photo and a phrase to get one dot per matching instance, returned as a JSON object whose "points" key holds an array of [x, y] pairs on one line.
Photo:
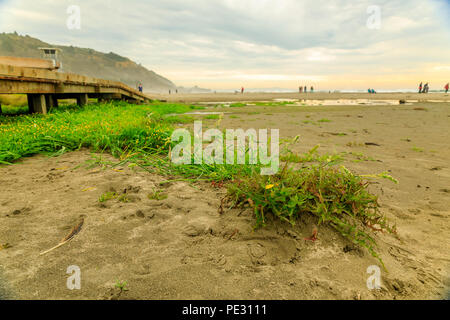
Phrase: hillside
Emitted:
{"points": [[87, 62]]}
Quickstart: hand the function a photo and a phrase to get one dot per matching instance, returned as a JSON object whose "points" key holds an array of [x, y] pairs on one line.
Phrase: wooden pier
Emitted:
{"points": [[44, 87]]}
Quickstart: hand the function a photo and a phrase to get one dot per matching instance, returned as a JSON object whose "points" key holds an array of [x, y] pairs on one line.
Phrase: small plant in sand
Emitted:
{"points": [[123, 198], [121, 285], [334, 196], [5, 246], [157, 195], [107, 196]]}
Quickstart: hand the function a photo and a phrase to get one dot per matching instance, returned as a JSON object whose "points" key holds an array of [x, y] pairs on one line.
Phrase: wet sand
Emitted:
{"points": [[220, 97]]}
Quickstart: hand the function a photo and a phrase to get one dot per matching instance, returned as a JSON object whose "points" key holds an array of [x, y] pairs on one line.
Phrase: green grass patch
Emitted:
{"points": [[14, 100], [238, 105], [181, 119], [311, 156], [212, 117], [115, 127], [13, 104]]}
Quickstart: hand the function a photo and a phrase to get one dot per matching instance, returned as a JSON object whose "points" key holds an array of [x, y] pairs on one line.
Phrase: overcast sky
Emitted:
{"points": [[225, 44]]}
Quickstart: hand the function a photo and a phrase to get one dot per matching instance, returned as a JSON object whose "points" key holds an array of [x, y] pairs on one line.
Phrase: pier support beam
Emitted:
{"points": [[36, 103], [55, 101], [49, 101], [30, 103], [82, 99]]}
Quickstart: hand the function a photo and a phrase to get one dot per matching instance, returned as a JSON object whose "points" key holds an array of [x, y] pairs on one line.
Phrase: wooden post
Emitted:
{"points": [[39, 105], [49, 101], [82, 99], [30, 103], [55, 101]]}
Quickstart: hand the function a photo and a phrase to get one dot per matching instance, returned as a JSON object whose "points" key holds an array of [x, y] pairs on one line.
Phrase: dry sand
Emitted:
{"points": [[182, 248]]}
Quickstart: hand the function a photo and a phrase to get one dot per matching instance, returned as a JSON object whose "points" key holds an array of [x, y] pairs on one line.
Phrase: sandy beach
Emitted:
{"points": [[267, 96], [181, 247]]}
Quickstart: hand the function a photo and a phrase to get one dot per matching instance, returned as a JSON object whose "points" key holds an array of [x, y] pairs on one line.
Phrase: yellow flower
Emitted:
{"points": [[269, 186]]}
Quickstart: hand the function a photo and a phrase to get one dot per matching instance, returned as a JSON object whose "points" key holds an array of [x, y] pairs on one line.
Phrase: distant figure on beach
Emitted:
{"points": [[242, 90], [426, 87], [306, 89], [170, 91], [300, 89], [140, 87], [420, 87], [312, 89], [369, 90], [446, 87]]}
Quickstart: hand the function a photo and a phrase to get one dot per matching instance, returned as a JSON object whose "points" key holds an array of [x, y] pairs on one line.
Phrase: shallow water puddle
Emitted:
{"points": [[316, 102], [350, 102]]}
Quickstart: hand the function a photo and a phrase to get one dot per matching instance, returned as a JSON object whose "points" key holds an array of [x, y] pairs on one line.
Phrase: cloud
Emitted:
{"points": [[267, 40]]}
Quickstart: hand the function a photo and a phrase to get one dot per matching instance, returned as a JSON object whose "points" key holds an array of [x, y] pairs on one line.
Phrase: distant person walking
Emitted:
{"points": [[300, 89], [446, 88], [140, 87], [312, 89], [420, 87], [306, 89], [426, 87], [242, 90]]}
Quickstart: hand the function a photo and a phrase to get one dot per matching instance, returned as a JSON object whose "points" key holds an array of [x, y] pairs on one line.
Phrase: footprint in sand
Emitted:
{"points": [[197, 228], [256, 251]]}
